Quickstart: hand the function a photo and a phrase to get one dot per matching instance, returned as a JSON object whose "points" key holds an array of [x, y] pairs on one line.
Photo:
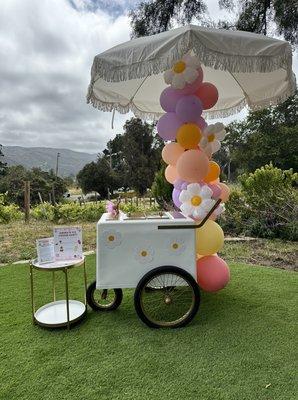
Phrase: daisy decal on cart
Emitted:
{"points": [[196, 200], [184, 71], [144, 254], [212, 136], [176, 245], [111, 239]]}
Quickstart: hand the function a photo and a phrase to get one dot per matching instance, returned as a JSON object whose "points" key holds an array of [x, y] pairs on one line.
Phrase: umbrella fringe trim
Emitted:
{"points": [[123, 109], [210, 58]]}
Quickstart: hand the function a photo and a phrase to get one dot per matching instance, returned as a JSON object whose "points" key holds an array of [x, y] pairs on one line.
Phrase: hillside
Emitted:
{"points": [[70, 162]]}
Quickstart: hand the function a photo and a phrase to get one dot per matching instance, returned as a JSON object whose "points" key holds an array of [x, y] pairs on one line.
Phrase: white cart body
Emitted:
{"points": [[129, 248]]}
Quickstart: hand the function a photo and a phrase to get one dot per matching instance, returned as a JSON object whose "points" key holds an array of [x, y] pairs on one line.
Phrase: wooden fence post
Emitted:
{"points": [[27, 200]]}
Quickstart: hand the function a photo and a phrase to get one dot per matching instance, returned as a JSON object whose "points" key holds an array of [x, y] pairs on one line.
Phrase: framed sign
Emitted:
{"points": [[45, 250], [68, 243]]}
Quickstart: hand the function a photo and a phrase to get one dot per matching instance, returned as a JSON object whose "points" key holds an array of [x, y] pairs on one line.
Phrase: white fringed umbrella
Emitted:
{"points": [[248, 70]]}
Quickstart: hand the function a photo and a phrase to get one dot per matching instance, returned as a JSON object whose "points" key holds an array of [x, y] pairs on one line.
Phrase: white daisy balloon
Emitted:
{"points": [[183, 72], [196, 200], [212, 136]]}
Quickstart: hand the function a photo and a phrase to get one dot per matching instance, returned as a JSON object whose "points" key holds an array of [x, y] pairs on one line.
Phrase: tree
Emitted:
{"points": [[250, 15], [135, 155], [97, 177], [40, 181], [270, 135], [3, 165], [162, 189]]}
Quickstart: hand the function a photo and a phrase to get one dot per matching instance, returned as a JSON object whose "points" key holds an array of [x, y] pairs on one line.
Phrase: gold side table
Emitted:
{"points": [[58, 313]]}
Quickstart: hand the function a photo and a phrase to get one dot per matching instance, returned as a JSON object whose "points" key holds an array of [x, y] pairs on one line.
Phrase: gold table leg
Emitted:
{"points": [[67, 297], [54, 286], [32, 294], [85, 283]]}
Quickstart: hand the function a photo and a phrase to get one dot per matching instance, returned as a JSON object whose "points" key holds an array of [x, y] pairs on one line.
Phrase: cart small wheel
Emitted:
{"points": [[103, 299], [175, 301]]}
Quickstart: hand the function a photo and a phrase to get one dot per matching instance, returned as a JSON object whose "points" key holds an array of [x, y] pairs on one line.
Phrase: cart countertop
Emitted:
{"points": [[173, 217]]}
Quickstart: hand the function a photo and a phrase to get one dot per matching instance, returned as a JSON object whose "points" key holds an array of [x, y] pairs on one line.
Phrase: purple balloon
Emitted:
{"points": [[175, 197], [216, 190], [168, 126], [189, 109], [202, 123], [168, 99], [180, 184]]}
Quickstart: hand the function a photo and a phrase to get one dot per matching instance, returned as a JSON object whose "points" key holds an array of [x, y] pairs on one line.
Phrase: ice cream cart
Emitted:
{"points": [[156, 254]]}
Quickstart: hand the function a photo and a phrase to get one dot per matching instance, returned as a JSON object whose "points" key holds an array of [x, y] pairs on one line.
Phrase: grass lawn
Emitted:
{"points": [[240, 346], [17, 242]]}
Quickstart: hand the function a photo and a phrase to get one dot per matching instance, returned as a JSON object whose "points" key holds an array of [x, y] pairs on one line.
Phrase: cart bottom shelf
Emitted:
{"points": [[54, 315]]}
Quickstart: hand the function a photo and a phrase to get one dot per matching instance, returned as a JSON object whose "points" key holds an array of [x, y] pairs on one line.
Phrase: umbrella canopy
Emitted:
{"points": [[248, 70]]}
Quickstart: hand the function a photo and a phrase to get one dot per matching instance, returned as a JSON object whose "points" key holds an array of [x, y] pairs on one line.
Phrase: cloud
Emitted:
{"points": [[46, 51]]}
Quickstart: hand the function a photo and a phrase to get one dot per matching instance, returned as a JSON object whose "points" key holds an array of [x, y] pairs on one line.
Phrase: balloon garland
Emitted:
{"points": [[191, 142]]}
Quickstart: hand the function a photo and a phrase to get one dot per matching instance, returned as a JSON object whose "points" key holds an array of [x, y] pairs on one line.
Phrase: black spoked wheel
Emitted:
{"points": [[167, 297], [103, 299]]}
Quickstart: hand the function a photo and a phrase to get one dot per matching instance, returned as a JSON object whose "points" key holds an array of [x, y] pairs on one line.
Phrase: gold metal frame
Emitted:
{"points": [[64, 269]]}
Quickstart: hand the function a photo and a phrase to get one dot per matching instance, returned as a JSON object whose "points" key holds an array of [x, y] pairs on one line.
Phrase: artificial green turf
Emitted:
{"points": [[242, 340]]}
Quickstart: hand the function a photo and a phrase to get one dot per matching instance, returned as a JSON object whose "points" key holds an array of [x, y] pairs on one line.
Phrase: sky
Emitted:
{"points": [[46, 51]]}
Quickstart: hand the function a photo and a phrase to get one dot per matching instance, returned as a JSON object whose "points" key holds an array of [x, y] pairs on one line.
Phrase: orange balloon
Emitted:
{"points": [[213, 173], [171, 152], [225, 192], [171, 173], [189, 136], [192, 165]]}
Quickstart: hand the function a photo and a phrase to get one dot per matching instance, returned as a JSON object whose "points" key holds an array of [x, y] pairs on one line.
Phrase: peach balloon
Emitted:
{"points": [[189, 135], [171, 174], [192, 165], [225, 192], [213, 173], [171, 152]]}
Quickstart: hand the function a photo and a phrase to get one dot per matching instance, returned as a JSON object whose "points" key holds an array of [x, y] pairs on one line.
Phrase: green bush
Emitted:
{"points": [[266, 205], [8, 212], [43, 211]]}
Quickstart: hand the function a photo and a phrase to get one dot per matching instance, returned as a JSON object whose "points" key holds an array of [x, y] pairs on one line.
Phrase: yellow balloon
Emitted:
{"points": [[209, 238], [189, 135], [214, 171]]}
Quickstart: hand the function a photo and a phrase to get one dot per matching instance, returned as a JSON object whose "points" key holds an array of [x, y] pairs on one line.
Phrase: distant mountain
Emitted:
{"points": [[70, 162]]}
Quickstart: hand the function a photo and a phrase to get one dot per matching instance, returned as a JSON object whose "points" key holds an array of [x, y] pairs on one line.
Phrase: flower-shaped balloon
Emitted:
{"points": [[212, 136], [184, 71], [196, 200]]}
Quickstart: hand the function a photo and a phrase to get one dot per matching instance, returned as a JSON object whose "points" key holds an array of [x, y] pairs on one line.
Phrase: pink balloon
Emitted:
{"points": [[202, 123], [213, 273], [168, 126], [208, 94], [191, 88], [171, 174], [168, 99], [189, 109], [171, 152], [192, 165], [175, 197], [216, 190]]}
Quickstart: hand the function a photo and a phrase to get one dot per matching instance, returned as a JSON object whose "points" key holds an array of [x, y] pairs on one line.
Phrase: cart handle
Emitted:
{"points": [[192, 226]]}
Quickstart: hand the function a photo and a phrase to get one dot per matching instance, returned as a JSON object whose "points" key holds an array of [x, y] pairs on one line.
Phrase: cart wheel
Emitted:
{"points": [[103, 299], [174, 304]]}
